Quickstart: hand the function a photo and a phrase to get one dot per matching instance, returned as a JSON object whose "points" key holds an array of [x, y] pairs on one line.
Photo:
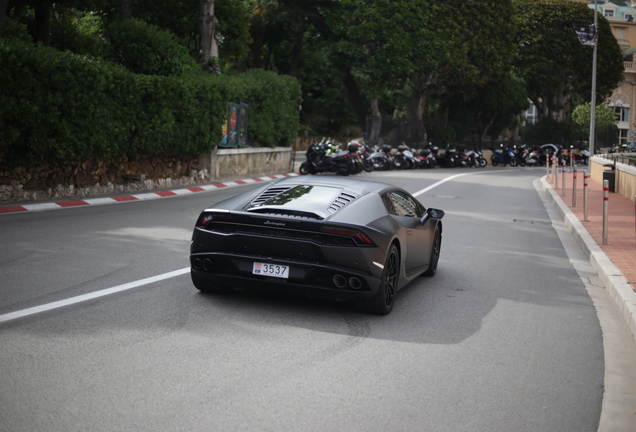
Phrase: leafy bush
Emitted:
{"points": [[79, 33], [59, 105], [147, 49], [15, 30], [273, 105]]}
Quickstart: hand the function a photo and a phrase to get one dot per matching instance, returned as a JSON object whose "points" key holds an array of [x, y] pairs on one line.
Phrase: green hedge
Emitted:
{"points": [[147, 49], [59, 105]]}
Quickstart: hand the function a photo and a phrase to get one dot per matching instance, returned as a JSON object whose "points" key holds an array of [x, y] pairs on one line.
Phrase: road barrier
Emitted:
{"points": [[585, 178], [605, 205], [574, 187], [563, 180]]}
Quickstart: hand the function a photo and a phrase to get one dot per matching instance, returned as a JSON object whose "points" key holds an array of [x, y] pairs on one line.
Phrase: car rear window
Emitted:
{"points": [[304, 196]]}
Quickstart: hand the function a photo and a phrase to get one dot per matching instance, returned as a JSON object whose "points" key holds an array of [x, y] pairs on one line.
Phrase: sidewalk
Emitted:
{"points": [[615, 262]]}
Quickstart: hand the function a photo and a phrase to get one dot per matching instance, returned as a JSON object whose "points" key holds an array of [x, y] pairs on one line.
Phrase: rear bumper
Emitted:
{"points": [[309, 278]]}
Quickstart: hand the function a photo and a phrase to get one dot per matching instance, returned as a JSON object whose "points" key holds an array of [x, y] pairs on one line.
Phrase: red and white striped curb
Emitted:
{"points": [[138, 197]]}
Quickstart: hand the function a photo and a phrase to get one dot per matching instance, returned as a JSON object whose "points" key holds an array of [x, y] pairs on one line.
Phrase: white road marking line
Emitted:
{"points": [[90, 296], [434, 185]]}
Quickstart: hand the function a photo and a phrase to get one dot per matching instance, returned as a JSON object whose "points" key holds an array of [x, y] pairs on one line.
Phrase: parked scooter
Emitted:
{"points": [[476, 158], [326, 156], [382, 160], [426, 158], [532, 157], [504, 157], [452, 158], [364, 154], [579, 158], [404, 158]]}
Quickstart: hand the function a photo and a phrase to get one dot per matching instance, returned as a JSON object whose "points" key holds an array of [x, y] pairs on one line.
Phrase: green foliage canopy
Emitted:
{"points": [[556, 67], [603, 115]]}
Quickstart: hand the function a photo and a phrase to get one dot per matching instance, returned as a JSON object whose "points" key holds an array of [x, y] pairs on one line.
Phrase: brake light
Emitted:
{"points": [[358, 236], [217, 217]]}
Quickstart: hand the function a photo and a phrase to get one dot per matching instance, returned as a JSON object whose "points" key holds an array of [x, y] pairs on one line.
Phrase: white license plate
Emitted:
{"points": [[273, 270]]}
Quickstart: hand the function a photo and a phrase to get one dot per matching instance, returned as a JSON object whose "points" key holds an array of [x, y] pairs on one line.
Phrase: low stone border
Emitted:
{"points": [[17, 194]]}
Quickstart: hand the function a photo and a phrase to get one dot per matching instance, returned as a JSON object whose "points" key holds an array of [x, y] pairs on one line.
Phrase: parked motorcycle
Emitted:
{"points": [[531, 157], [364, 154], [548, 151], [503, 157], [326, 156], [452, 158], [426, 158], [579, 158], [476, 158], [382, 159], [404, 159], [355, 163]]}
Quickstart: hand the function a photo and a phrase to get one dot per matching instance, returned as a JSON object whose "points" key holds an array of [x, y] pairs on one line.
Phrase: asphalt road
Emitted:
{"points": [[505, 337]]}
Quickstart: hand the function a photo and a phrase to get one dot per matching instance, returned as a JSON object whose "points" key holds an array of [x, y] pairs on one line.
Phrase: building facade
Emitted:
{"points": [[620, 15]]}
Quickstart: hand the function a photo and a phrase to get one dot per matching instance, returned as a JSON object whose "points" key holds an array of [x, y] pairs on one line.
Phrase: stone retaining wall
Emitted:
{"points": [[94, 177], [625, 176]]}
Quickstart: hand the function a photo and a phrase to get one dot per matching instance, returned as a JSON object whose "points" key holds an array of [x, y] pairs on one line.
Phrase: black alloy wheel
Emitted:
{"points": [[382, 302], [435, 252]]}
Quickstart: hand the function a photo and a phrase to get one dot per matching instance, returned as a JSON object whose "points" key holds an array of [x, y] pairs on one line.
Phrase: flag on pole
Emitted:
{"points": [[587, 34]]}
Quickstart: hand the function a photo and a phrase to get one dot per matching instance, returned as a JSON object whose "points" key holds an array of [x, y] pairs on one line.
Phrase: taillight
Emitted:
{"points": [[359, 237], [206, 218]]}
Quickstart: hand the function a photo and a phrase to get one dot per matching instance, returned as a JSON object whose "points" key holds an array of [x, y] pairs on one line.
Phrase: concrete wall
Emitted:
{"points": [[224, 164], [625, 182], [140, 174]]}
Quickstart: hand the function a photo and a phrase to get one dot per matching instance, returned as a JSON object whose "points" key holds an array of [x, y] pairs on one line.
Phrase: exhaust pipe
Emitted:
{"points": [[207, 264], [196, 263], [355, 283], [339, 281]]}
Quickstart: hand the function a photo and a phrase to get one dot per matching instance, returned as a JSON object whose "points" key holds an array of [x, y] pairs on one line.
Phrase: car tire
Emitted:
{"points": [[382, 302], [207, 287], [435, 252]]}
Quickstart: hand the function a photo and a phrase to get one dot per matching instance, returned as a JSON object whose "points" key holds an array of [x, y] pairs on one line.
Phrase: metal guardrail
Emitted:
{"points": [[625, 158]]}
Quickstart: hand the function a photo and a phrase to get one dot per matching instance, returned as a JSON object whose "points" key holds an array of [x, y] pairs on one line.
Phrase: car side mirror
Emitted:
{"points": [[432, 213]]}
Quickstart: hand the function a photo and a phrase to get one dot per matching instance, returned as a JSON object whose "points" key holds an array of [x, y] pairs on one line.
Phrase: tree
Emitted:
{"points": [[556, 67], [383, 45], [209, 38], [603, 116], [184, 18], [490, 107], [469, 43], [3, 13]]}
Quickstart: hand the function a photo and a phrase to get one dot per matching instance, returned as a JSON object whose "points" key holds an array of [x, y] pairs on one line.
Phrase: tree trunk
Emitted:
{"points": [[257, 31], [43, 23], [421, 90], [295, 62], [355, 96], [209, 38], [3, 13], [375, 128], [124, 9], [353, 90]]}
